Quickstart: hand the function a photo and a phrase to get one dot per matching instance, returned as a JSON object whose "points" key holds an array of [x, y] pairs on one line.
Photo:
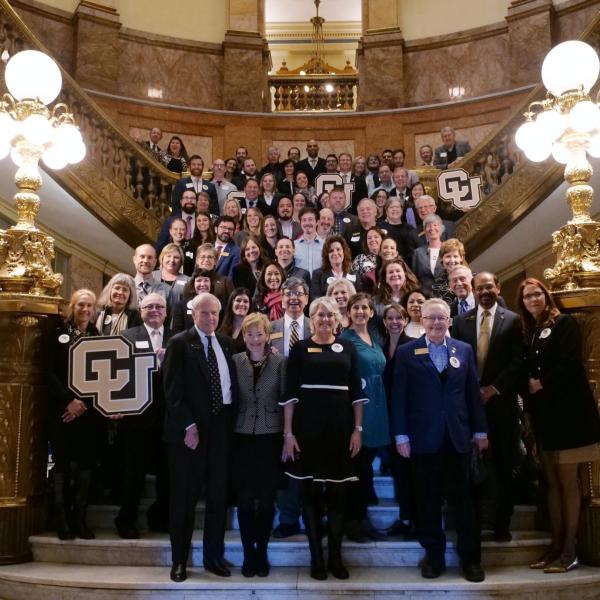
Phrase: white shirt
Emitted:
{"points": [[492, 312], [197, 182], [156, 339], [434, 254], [287, 228], [287, 325], [308, 254], [221, 362]]}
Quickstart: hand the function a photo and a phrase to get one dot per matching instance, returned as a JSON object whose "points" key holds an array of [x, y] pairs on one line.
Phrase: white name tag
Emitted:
{"points": [[142, 345], [443, 154], [189, 185], [355, 238]]}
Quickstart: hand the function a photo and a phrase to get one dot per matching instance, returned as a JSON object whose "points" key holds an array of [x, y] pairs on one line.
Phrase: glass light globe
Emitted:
{"points": [[594, 146], [539, 151], [551, 123], [16, 157], [560, 153], [31, 74], [4, 149], [54, 158], [584, 117], [66, 135], [526, 135], [8, 127], [76, 153], [37, 129], [570, 65]]}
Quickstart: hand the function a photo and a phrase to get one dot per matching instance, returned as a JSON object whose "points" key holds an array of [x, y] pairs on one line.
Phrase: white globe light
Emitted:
{"points": [[31, 74], [65, 136], [560, 153], [570, 65], [54, 159], [4, 149], [76, 153], [37, 130], [551, 123], [8, 127], [539, 151], [16, 157], [594, 146], [527, 134], [584, 117]]}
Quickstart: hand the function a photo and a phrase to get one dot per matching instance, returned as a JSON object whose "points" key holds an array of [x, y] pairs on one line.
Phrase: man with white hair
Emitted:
{"points": [[273, 165], [450, 150], [200, 391], [459, 281], [426, 205]]}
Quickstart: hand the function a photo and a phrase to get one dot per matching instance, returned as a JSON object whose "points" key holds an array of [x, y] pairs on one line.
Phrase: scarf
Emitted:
{"points": [[272, 301]]}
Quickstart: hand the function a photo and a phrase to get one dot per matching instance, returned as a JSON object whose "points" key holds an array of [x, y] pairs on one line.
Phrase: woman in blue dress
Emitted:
{"points": [[376, 431]]}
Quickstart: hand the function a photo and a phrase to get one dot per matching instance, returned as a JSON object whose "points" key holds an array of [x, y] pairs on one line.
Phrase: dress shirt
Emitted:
{"points": [[197, 183], [308, 253], [346, 177], [221, 361], [313, 162], [143, 286], [287, 325], [466, 304], [155, 338], [223, 188], [434, 254], [287, 228]]}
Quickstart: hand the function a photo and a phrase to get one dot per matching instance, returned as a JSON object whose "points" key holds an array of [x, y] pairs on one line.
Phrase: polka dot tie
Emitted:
{"points": [[216, 393]]}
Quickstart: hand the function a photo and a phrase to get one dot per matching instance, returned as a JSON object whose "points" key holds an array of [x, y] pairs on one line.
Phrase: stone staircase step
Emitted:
{"points": [[48, 581], [154, 550]]}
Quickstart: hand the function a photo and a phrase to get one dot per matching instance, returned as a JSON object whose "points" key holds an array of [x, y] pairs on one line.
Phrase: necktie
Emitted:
{"points": [[216, 393], [483, 342], [250, 203], [464, 307], [293, 334], [188, 235], [155, 339], [143, 288]]}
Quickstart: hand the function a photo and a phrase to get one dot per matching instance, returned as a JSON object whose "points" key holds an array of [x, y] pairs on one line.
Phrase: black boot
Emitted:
{"points": [[312, 521], [246, 519], [60, 482], [335, 531], [264, 524], [82, 488]]}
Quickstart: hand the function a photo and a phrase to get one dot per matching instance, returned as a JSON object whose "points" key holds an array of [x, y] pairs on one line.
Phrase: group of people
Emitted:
{"points": [[295, 345]]}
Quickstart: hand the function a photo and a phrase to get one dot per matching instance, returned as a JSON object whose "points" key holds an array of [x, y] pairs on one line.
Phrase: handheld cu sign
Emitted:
{"points": [[324, 182], [107, 369], [459, 188]]}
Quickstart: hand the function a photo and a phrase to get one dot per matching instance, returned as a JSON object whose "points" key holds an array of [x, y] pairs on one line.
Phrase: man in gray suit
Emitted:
{"points": [[450, 150], [285, 332]]}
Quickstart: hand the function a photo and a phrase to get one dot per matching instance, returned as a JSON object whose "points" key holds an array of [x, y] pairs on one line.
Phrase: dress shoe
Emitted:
{"points": [[403, 530], [317, 571], [285, 530], [562, 565], [226, 562], [354, 532], [431, 570], [248, 568], [127, 532], [216, 567], [178, 572], [543, 561], [262, 566], [502, 535], [473, 572]]}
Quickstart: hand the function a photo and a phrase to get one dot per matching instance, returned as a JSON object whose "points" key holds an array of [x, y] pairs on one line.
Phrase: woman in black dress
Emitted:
{"points": [[563, 413], [175, 157], [76, 430], [257, 441], [323, 429]]}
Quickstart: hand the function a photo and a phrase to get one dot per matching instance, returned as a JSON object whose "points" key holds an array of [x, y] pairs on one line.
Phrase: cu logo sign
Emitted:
{"points": [[325, 181], [108, 370], [458, 187]]}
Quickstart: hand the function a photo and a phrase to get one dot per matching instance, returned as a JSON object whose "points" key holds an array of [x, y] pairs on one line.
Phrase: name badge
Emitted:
{"points": [[419, 351], [277, 335], [189, 311], [224, 253], [180, 282], [454, 362], [189, 254], [313, 350], [189, 185], [142, 344], [63, 338], [346, 219], [545, 333], [355, 238], [351, 277], [443, 154], [204, 187]]}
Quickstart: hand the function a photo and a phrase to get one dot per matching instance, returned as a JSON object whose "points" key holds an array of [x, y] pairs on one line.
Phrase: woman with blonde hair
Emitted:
{"points": [[118, 306]]}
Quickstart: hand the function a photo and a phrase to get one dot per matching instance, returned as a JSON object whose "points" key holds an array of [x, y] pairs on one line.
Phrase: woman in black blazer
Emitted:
{"points": [[563, 414], [257, 442], [336, 263], [201, 281]]}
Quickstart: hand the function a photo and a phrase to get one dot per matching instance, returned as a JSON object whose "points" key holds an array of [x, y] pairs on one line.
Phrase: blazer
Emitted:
{"points": [[422, 269], [277, 333], [187, 183], [244, 277], [265, 208], [186, 381], [293, 271], [258, 409], [441, 161], [229, 258], [321, 279], [504, 362], [285, 187], [176, 289], [349, 222], [296, 229], [304, 165], [426, 403]]}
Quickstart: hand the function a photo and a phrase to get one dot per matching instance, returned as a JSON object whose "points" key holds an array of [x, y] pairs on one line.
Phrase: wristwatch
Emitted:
{"points": [[358, 428]]}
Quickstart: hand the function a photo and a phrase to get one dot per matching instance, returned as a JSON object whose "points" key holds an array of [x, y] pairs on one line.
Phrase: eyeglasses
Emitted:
{"points": [[436, 318], [533, 296], [293, 294], [153, 307]]}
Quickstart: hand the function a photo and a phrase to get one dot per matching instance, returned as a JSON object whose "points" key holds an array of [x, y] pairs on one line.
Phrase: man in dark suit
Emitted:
{"points": [[360, 186], [437, 418], [450, 150], [187, 213], [284, 253], [459, 281], [494, 333], [367, 218], [312, 165], [273, 165], [196, 184], [343, 220], [228, 253], [286, 226], [138, 438], [250, 172], [200, 391], [151, 145]]}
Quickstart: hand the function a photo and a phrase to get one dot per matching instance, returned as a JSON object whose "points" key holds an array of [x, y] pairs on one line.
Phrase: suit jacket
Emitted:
{"points": [[505, 353], [240, 180], [176, 289], [360, 192], [187, 382], [320, 282], [186, 183], [277, 333], [349, 222], [293, 271], [304, 165], [265, 208], [422, 270], [154, 414], [229, 258], [426, 403], [286, 188], [296, 229], [440, 160]]}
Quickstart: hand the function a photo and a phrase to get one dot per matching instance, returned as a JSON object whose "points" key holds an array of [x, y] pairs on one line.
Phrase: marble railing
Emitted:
{"points": [[306, 93], [511, 184], [118, 181]]}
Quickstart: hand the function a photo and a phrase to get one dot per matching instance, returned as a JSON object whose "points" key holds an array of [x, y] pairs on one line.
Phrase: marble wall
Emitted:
{"points": [[83, 275]]}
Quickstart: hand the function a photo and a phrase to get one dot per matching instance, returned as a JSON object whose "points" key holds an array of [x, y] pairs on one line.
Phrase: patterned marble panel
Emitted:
{"points": [[244, 75], [570, 25], [325, 147], [194, 144], [84, 275]]}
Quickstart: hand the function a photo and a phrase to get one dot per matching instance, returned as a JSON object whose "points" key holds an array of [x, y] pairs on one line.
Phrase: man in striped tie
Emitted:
{"points": [[459, 281]]}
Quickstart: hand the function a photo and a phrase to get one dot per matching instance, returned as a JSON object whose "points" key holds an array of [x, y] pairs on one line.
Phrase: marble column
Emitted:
{"points": [[97, 48], [246, 59], [380, 57], [529, 39]]}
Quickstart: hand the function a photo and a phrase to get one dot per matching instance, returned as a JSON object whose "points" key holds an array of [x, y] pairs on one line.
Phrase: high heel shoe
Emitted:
{"points": [[563, 565], [543, 561]]}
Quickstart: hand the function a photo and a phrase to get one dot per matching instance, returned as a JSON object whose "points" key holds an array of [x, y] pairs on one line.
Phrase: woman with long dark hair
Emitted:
{"points": [[239, 305], [268, 295], [175, 157]]}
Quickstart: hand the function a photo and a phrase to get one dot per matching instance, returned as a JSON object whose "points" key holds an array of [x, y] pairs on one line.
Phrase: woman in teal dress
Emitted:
{"points": [[376, 431]]}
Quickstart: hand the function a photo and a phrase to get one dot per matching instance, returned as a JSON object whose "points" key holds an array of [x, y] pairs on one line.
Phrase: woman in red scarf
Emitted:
{"points": [[267, 297]]}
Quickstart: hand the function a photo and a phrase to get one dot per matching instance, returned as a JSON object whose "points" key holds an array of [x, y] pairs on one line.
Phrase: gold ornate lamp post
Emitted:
{"points": [[29, 131], [567, 125]]}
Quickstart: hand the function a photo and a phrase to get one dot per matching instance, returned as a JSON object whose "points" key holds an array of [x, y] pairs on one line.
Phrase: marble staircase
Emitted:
{"points": [[111, 568]]}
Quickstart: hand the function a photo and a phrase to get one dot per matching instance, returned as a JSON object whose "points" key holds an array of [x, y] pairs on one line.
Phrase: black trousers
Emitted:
{"points": [[359, 492], [192, 470], [445, 474]]}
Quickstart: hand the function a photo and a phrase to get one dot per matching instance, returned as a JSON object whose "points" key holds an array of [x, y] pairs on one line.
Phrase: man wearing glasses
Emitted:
{"points": [[438, 421], [139, 436]]}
